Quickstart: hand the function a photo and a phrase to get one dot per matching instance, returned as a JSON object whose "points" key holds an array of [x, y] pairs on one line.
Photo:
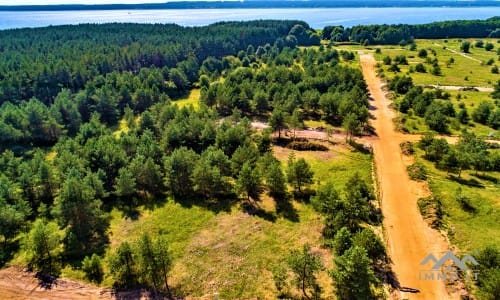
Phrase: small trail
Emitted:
{"points": [[458, 53], [409, 238]]}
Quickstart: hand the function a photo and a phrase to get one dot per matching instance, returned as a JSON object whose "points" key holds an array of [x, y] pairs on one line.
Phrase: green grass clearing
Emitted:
{"points": [[472, 71], [470, 231], [233, 252]]}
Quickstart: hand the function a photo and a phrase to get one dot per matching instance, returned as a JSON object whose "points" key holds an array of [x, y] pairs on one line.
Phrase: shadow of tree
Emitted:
{"points": [[222, 203], [285, 208], [487, 177], [468, 182], [253, 210], [46, 281]]}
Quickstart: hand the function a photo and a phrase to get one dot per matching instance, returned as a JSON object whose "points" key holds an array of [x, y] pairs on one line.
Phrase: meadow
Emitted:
{"points": [[473, 229], [232, 252], [467, 69]]}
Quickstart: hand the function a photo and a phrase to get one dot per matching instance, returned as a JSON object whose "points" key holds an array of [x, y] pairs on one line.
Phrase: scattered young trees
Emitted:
{"points": [[469, 153], [404, 34]]}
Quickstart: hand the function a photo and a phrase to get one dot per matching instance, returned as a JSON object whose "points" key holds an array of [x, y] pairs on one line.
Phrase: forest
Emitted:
{"points": [[88, 124], [404, 34]]}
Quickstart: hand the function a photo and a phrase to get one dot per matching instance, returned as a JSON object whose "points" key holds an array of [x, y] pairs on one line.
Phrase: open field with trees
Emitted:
{"points": [[141, 169], [236, 158], [430, 93], [443, 62]]}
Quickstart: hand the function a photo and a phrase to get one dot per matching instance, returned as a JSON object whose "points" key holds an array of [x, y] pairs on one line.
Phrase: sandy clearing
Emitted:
{"points": [[460, 88], [409, 239], [17, 284]]}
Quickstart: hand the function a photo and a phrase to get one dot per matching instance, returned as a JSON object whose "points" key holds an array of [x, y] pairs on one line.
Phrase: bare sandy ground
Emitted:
{"points": [[17, 284], [459, 88], [409, 238]]}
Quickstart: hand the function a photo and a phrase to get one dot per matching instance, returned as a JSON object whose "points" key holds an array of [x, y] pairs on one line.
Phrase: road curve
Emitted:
{"points": [[409, 238]]}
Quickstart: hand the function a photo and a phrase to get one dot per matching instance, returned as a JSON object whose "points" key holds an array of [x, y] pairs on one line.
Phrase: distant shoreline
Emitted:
{"points": [[258, 4]]}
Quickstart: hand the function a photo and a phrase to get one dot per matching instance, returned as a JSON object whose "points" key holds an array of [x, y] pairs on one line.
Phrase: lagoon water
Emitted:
{"points": [[316, 17]]}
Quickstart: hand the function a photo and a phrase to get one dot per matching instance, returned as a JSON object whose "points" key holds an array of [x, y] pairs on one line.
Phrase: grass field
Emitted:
{"points": [[470, 231], [469, 69], [233, 252]]}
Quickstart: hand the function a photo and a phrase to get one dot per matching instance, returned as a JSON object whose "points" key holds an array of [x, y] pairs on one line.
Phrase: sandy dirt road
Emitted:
{"points": [[409, 238]]}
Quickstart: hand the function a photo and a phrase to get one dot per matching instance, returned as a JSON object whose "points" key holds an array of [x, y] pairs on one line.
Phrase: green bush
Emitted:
{"points": [[417, 171], [489, 273], [306, 146], [92, 267], [464, 201], [431, 209]]}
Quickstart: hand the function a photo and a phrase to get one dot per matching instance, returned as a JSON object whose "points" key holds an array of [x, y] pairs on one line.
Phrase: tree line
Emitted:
{"points": [[405, 34]]}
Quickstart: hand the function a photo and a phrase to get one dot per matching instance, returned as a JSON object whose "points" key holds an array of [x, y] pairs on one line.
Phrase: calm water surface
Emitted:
{"points": [[316, 17]]}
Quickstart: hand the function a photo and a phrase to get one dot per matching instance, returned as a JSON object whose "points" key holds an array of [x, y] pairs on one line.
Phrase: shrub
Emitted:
{"points": [[401, 60], [417, 171], [394, 68], [489, 270], [92, 267], [464, 201], [431, 209], [306, 146], [465, 46], [420, 68], [407, 148]]}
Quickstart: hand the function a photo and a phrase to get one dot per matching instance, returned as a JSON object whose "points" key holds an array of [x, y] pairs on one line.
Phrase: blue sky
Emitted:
{"points": [[45, 2]]}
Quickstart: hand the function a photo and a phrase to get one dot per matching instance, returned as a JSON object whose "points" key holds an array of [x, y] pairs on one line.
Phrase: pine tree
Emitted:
{"points": [[249, 182], [305, 265], [353, 275], [43, 246]]}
